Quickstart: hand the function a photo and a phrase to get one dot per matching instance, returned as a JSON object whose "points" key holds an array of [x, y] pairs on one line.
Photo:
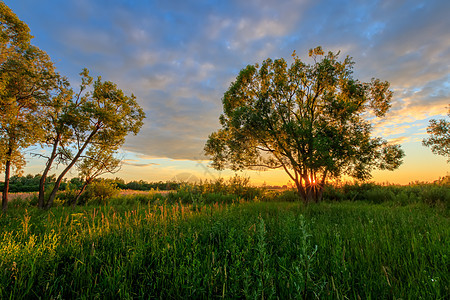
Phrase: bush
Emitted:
{"points": [[333, 193], [66, 197], [432, 194], [289, 196], [98, 192], [220, 191], [135, 199], [436, 194]]}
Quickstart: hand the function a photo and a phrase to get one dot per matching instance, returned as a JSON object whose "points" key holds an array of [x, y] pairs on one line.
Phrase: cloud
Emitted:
{"points": [[128, 163], [400, 140]]}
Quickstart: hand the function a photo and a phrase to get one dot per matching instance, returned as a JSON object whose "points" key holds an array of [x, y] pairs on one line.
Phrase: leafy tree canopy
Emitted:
{"points": [[14, 34], [439, 140], [312, 120]]}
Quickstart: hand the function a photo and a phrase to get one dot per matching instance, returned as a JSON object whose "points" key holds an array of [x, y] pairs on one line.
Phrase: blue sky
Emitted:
{"points": [[179, 57]]}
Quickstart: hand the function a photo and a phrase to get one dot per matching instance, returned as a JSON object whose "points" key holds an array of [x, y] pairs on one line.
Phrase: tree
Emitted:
{"points": [[26, 78], [14, 34], [310, 120], [58, 121], [102, 117], [439, 140], [30, 78]]}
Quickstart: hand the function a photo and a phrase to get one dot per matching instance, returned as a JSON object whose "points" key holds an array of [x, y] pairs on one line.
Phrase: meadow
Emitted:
{"points": [[225, 241]]}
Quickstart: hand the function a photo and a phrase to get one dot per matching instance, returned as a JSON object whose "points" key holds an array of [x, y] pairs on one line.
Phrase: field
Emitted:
{"points": [[166, 247]]}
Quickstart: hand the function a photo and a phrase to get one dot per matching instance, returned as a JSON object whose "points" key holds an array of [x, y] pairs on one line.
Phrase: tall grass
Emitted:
{"points": [[240, 250], [433, 194]]}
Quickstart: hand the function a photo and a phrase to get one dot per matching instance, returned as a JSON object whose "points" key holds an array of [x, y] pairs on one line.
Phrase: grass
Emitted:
{"points": [[238, 250]]}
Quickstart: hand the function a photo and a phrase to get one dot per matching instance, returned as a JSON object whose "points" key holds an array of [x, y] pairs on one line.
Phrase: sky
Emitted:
{"points": [[179, 57]]}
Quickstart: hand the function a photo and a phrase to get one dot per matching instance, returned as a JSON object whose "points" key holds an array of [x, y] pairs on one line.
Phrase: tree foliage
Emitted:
{"points": [[14, 34], [27, 76], [312, 120], [28, 183], [439, 140]]}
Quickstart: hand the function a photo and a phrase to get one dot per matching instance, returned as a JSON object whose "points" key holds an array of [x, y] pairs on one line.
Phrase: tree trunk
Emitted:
{"points": [[45, 173], [64, 172], [85, 184], [310, 191], [300, 190], [321, 187], [305, 192], [42, 188], [6, 185], [52, 197]]}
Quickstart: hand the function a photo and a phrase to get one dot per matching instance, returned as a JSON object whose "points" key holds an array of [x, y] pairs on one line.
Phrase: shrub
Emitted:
{"points": [[289, 196], [66, 197], [436, 194], [333, 193], [220, 191], [432, 194], [98, 192]]}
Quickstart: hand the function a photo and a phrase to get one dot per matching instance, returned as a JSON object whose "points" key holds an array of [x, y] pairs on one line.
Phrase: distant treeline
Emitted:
{"points": [[143, 185], [30, 183]]}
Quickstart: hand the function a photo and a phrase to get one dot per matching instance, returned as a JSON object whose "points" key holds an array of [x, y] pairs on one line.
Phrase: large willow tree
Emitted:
{"points": [[312, 120]]}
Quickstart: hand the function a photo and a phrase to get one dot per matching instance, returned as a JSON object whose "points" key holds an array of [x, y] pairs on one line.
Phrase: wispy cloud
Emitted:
{"points": [[135, 163], [400, 140]]}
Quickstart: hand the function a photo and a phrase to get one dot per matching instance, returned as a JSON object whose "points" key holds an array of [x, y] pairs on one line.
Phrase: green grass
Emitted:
{"points": [[247, 250]]}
